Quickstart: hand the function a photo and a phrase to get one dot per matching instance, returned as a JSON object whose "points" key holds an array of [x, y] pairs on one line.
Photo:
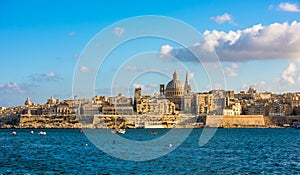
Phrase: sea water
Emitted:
{"points": [[230, 151]]}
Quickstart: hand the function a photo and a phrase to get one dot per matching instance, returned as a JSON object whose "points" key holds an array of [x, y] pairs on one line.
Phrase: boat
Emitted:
{"points": [[297, 126], [117, 130], [42, 133], [286, 125]]}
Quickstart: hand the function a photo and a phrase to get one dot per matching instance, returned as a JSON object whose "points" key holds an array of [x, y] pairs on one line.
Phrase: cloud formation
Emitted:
{"points": [[289, 76], [84, 69], [289, 73], [223, 18], [286, 6], [119, 31], [166, 49], [49, 76], [191, 75], [12, 88], [288, 80], [166, 52], [231, 71], [275, 41]]}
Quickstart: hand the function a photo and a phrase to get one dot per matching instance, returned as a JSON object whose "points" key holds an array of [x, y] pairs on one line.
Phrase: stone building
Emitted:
{"points": [[175, 90], [119, 105], [204, 103]]}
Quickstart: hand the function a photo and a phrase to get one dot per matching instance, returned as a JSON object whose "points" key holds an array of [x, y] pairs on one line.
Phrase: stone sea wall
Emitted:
{"points": [[48, 121], [168, 121], [281, 120], [235, 121]]}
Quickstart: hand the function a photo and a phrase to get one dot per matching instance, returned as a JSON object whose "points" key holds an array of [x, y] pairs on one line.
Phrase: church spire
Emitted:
{"points": [[175, 76], [187, 78], [187, 87]]}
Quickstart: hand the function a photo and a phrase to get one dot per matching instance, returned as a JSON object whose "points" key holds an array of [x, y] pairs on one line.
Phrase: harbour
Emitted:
{"points": [[230, 151]]}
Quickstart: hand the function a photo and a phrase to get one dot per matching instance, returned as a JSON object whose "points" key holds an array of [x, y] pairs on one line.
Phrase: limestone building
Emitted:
{"points": [[175, 90]]}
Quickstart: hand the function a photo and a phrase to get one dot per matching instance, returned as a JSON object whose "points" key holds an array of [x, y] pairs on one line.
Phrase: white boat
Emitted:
{"points": [[42, 133], [286, 125], [118, 131]]}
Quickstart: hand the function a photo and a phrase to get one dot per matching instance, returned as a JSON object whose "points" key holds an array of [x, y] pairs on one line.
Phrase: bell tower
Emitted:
{"points": [[187, 87]]}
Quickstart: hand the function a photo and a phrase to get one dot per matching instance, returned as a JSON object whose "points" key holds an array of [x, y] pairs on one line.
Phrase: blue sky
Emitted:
{"points": [[40, 43]]}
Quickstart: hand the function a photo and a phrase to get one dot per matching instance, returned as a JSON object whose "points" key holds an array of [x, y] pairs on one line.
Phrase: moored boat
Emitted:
{"points": [[118, 131]]}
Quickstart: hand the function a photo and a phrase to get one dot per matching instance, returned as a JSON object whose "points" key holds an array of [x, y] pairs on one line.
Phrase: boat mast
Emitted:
{"points": [[114, 104]]}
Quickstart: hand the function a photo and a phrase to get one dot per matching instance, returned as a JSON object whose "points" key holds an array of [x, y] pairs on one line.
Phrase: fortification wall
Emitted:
{"points": [[280, 120], [235, 121]]}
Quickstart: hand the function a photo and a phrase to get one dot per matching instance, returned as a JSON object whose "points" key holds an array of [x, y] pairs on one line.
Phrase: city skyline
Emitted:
{"points": [[257, 43]]}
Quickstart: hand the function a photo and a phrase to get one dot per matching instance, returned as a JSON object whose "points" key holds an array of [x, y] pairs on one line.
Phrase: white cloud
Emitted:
{"points": [[192, 75], [223, 18], [232, 70], [288, 75], [288, 81], [275, 41], [48, 76], [12, 88], [119, 31], [84, 69], [166, 49], [166, 52], [286, 6]]}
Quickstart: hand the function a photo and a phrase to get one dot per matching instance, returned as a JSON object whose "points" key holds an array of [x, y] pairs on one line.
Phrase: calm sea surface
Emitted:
{"points": [[231, 151]]}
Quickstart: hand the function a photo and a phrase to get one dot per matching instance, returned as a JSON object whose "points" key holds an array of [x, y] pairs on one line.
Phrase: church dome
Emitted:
{"points": [[175, 84], [28, 102], [175, 87]]}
